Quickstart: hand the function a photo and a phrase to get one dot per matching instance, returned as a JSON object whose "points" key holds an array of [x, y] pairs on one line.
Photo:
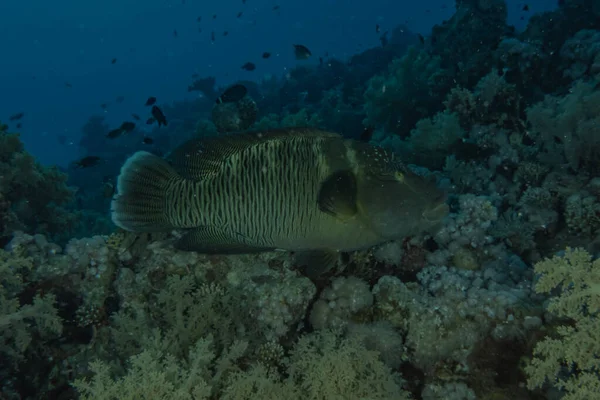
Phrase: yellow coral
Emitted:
{"points": [[576, 345]]}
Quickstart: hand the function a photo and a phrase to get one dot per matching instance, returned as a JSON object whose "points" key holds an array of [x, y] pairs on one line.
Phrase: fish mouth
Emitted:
{"points": [[437, 213]]}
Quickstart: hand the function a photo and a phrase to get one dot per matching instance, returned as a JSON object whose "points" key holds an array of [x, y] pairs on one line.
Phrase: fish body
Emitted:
{"points": [[249, 66], [233, 94], [87, 162], [298, 189], [151, 100], [301, 52], [126, 127], [17, 116], [159, 116]]}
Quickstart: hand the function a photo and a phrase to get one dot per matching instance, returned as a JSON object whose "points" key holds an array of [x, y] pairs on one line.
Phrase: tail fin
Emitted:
{"points": [[140, 203]]}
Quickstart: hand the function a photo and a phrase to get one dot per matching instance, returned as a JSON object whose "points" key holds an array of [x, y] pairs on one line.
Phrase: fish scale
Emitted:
{"points": [[297, 189]]}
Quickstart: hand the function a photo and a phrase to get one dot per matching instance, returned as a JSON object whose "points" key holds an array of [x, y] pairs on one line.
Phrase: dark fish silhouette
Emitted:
{"points": [[150, 121], [525, 7], [266, 55], [147, 140], [151, 101], [232, 94], [159, 116], [377, 28], [87, 162], [113, 61], [125, 127], [249, 66], [17, 116], [136, 117], [301, 52], [240, 14]]}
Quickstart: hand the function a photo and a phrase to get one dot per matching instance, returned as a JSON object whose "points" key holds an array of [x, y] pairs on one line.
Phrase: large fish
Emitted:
{"points": [[298, 189]]}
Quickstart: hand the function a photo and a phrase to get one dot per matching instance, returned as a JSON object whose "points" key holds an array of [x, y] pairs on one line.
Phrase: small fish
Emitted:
{"points": [[175, 34], [104, 106], [377, 28], [275, 8], [212, 36], [266, 55], [17, 116], [525, 7], [113, 61], [128, 126], [87, 162], [249, 66], [68, 84], [159, 116], [120, 99], [225, 33], [239, 14], [232, 94], [301, 52], [321, 61], [151, 100], [115, 133], [150, 121], [136, 117], [214, 16], [421, 38], [147, 140], [125, 127], [199, 19], [19, 125], [328, 201]]}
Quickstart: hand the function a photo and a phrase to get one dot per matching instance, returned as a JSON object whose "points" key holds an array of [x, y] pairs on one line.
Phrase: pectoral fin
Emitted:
{"points": [[338, 195]]}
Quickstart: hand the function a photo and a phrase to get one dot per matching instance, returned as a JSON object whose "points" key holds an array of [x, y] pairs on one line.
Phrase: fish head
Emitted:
{"points": [[394, 201]]}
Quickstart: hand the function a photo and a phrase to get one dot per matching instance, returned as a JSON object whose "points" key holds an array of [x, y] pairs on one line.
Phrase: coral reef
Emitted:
{"points": [[506, 122], [568, 359], [33, 198]]}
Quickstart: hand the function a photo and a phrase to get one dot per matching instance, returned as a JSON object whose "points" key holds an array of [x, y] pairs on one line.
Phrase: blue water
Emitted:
{"points": [[48, 43]]}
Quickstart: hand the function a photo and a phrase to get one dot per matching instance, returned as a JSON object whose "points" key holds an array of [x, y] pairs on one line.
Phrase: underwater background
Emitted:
{"points": [[497, 102]]}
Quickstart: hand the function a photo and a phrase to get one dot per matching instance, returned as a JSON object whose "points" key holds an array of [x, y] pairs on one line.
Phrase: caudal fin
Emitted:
{"points": [[140, 203]]}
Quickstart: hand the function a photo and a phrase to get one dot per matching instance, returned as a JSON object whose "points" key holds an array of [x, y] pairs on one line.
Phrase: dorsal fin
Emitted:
{"points": [[201, 158]]}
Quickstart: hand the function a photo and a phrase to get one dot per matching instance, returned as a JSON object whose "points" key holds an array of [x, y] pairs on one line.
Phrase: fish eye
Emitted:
{"points": [[399, 176]]}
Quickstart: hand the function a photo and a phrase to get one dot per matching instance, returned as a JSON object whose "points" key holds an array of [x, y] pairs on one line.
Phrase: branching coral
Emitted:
{"points": [[321, 366], [570, 359]]}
